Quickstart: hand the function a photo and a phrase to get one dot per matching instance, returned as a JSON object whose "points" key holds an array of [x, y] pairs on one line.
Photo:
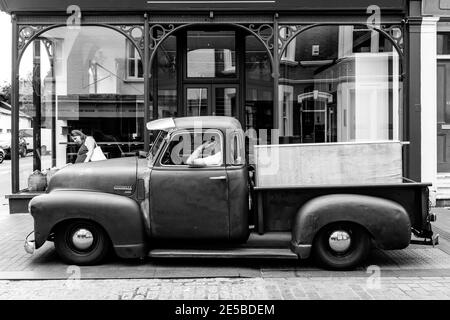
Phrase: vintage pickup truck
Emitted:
{"points": [[169, 203]]}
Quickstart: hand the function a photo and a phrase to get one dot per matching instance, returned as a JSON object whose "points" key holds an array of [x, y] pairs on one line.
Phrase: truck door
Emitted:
{"points": [[190, 202]]}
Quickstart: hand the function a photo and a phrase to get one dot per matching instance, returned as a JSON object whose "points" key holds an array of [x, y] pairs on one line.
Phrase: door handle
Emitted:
{"points": [[218, 178]]}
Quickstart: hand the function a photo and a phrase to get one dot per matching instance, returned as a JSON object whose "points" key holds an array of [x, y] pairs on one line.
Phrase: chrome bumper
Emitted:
{"points": [[29, 244]]}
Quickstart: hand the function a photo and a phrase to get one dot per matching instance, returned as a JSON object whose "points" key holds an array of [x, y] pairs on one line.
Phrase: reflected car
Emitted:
{"points": [[46, 139], [5, 144], [2, 155]]}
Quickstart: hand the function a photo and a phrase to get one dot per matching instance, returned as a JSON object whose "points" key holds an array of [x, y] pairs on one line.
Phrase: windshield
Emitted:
{"points": [[155, 147]]}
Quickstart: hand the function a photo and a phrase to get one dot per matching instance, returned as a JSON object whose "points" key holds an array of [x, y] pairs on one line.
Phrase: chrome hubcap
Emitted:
{"points": [[339, 241], [82, 239]]}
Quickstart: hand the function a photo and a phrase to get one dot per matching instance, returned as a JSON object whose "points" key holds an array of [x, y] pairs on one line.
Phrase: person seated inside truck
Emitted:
{"points": [[208, 154]]}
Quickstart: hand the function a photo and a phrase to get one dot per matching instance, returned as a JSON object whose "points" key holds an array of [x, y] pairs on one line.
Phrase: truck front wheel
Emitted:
{"points": [[81, 242], [341, 246]]}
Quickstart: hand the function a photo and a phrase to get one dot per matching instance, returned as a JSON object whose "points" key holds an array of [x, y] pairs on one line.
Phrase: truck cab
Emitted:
{"points": [[202, 200]]}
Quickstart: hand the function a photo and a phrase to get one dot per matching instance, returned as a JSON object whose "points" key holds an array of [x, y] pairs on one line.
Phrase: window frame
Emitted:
{"points": [[240, 147], [173, 134], [137, 60]]}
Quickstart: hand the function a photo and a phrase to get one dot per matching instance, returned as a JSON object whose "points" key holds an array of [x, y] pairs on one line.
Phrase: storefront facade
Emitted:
{"points": [[290, 71], [435, 57]]}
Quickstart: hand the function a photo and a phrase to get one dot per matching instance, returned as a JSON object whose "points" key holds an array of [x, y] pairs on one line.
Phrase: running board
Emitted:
{"points": [[272, 253]]}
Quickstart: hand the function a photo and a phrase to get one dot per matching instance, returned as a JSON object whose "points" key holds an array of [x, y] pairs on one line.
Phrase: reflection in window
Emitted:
{"points": [[225, 102], [78, 79], [345, 87], [197, 101], [211, 54], [167, 78], [135, 69], [259, 86]]}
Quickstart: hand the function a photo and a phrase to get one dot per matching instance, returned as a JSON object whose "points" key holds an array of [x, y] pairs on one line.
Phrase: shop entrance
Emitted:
{"points": [[217, 70]]}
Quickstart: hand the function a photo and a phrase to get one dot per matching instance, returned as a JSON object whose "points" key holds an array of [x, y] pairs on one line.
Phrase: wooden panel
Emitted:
{"points": [[328, 163]]}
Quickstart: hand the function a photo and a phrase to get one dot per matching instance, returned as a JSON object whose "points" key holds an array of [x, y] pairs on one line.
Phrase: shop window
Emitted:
{"points": [[259, 87], [443, 43], [362, 40], [166, 78], [211, 54], [348, 87], [288, 55], [81, 83], [134, 63]]}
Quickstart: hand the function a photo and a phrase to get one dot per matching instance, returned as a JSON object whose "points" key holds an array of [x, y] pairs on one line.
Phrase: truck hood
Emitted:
{"points": [[116, 176]]}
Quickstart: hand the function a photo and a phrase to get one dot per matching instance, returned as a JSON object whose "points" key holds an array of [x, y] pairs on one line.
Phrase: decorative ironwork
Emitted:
{"points": [[264, 32], [159, 33], [135, 32], [396, 34], [26, 34]]}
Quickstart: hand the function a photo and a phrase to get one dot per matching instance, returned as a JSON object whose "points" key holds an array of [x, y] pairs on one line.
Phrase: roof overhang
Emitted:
{"points": [[55, 6]]}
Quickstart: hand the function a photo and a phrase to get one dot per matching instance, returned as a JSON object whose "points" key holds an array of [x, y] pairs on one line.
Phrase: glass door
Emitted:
{"points": [[215, 100]]}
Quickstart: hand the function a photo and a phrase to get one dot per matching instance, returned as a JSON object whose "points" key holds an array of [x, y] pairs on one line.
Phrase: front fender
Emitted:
{"points": [[118, 215], [386, 221]]}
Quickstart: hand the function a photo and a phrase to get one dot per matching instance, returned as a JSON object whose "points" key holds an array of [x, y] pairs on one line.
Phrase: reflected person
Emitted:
{"points": [[87, 145]]}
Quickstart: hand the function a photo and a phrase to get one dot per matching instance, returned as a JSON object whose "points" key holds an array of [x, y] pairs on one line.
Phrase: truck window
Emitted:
{"points": [[237, 152], [186, 148]]}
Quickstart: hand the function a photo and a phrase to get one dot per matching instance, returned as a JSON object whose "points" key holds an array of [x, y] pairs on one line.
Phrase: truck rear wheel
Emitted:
{"points": [[341, 246], [81, 242]]}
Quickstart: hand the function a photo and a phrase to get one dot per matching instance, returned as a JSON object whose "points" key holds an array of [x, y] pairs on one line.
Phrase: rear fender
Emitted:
{"points": [[387, 222], [118, 215]]}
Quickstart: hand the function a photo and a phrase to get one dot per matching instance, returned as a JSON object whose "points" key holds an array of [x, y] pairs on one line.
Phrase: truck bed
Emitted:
{"points": [[276, 206]]}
